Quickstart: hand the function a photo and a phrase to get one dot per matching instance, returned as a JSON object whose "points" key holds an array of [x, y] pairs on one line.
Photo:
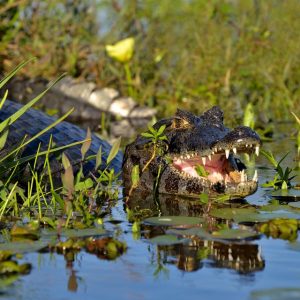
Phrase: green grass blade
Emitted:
{"points": [[14, 71], [24, 108], [38, 134], [25, 159], [3, 99]]}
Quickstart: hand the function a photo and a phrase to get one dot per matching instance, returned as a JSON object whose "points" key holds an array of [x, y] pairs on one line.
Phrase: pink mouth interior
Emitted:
{"points": [[218, 168]]}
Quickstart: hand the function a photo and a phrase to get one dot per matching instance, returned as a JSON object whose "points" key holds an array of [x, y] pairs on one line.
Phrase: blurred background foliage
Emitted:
{"points": [[190, 54]]}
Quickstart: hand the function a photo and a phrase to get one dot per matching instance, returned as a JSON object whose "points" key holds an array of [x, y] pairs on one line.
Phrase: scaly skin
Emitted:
{"points": [[193, 141], [33, 121]]}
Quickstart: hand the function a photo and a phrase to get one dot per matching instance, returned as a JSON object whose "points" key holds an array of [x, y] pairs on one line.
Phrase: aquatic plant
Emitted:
{"points": [[283, 177], [218, 54], [78, 194]]}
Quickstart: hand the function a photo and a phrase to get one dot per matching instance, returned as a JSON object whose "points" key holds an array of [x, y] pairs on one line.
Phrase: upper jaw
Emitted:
{"points": [[218, 161]]}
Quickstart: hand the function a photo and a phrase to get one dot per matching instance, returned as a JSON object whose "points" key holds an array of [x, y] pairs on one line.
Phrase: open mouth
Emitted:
{"points": [[220, 165]]}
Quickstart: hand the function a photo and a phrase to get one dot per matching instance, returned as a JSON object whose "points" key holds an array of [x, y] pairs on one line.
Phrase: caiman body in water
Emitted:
{"points": [[197, 156], [191, 142]]}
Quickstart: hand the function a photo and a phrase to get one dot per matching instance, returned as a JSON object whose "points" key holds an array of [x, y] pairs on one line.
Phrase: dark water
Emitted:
{"points": [[264, 268]]}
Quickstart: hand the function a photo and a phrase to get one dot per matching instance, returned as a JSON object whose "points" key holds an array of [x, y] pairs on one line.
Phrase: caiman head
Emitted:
{"points": [[198, 155]]}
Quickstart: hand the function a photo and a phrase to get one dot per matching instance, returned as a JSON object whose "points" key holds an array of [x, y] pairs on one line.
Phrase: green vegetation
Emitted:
{"points": [[188, 54], [241, 55], [282, 178], [77, 196]]}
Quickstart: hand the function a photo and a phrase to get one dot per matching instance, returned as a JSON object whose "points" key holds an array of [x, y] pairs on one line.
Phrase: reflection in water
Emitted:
{"points": [[72, 282], [105, 248], [244, 257]]}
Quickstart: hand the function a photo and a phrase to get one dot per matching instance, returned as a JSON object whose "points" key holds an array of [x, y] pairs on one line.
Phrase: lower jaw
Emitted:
{"points": [[173, 183]]}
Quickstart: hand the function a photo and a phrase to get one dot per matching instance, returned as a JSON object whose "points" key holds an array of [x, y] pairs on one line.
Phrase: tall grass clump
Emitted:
{"points": [[188, 54], [76, 195]]}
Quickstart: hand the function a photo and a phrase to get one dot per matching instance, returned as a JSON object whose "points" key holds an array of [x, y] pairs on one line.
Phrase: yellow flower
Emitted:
{"points": [[122, 51]]}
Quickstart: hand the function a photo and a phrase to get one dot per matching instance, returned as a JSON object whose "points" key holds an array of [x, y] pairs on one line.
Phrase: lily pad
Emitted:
{"points": [[264, 214], [224, 234], [194, 231], [173, 221], [23, 247], [167, 239], [234, 234], [276, 294], [239, 214], [286, 195], [84, 232], [294, 204]]}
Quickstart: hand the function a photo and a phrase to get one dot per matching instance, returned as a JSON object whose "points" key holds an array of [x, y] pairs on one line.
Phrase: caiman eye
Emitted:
{"points": [[179, 123]]}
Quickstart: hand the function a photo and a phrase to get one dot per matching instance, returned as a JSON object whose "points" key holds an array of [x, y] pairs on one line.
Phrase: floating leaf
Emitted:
{"points": [[83, 232], [276, 294], [24, 247], [173, 221], [234, 234], [286, 194], [224, 234], [231, 213], [294, 204], [194, 231], [166, 239]]}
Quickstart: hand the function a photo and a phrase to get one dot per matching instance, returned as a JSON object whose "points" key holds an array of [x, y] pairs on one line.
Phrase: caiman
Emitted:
{"points": [[192, 142], [32, 122], [197, 155]]}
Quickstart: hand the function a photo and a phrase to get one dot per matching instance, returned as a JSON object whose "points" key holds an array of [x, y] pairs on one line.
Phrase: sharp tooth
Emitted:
{"points": [[227, 151], [246, 145], [242, 176], [257, 150], [250, 146], [188, 156], [179, 160], [181, 156], [255, 176], [234, 150], [212, 152], [216, 150], [204, 160], [209, 157]]}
